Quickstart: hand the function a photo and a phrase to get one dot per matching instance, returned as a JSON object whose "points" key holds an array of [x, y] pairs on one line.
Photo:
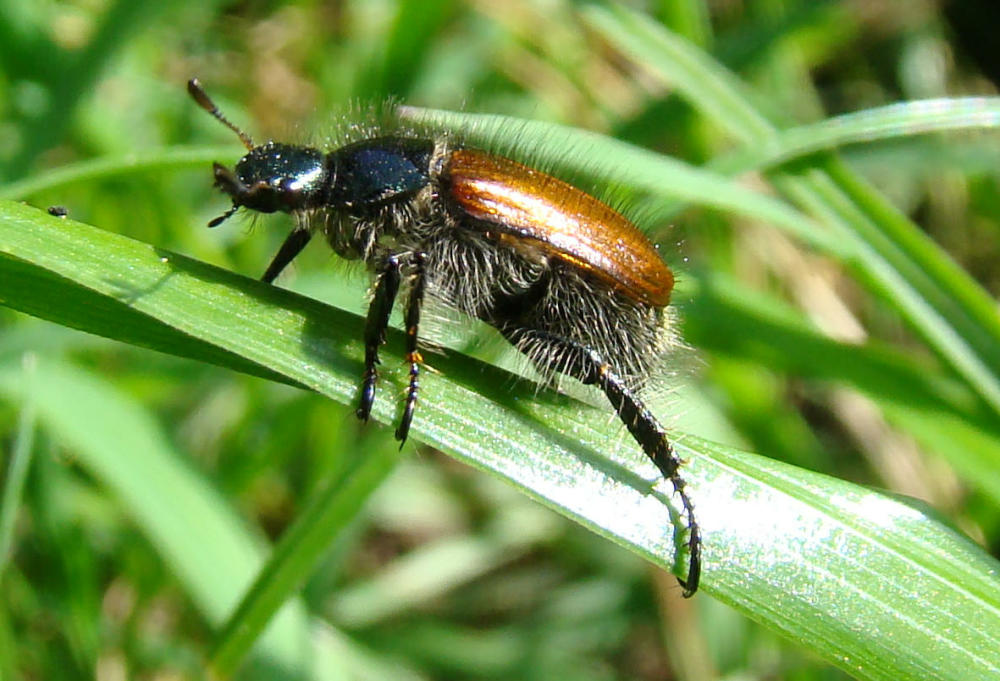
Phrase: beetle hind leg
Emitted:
{"points": [[652, 437], [588, 366]]}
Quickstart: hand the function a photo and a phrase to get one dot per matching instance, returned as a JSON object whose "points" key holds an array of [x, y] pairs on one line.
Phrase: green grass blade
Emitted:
{"points": [[118, 166], [901, 563], [942, 303], [17, 472], [667, 179], [784, 339], [296, 555], [199, 536], [867, 582], [940, 411], [903, 119], [717, 92], [104, 310]]}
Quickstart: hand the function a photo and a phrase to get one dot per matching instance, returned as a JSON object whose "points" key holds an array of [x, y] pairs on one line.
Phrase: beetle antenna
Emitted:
{"points": [[199, 95]]}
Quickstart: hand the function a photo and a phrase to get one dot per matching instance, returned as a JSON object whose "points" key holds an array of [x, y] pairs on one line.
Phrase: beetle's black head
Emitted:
{"points": [[274, 177]]}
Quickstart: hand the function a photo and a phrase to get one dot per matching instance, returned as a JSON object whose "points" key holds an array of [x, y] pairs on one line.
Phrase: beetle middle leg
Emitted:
{"points": [[413, 305], [387, 283]]}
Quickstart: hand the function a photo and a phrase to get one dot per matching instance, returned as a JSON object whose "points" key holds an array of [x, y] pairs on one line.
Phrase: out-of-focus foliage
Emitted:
{"points": [[836, 327]]}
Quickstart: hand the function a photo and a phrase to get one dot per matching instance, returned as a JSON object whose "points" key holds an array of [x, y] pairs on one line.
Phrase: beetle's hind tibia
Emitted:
{"points": [[587, 365], [653, 439]]}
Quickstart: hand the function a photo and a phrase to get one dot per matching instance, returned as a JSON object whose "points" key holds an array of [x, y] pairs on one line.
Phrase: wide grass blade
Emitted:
{"points": [[868, 582], [899, 264]]}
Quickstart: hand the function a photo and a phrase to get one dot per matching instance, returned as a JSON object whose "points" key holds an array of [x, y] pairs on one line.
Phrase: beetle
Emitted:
{"points": [[565, 278]]}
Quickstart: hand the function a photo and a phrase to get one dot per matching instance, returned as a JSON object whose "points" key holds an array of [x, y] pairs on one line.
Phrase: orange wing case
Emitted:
{"points": [[564, 221]]}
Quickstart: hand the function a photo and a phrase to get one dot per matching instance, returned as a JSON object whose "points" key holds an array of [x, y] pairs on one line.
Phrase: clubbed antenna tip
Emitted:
{"points": [[199, 95]]}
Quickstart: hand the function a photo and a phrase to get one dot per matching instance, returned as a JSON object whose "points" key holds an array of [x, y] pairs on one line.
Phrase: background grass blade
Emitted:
{"points": [[904, 119], [907, 271], [827, 203], [162, 160], [660, 176], [295, 557], [206, 545]]}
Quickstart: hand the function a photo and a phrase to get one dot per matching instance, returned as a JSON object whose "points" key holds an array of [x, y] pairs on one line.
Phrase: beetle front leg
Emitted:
{"points": [[386, 288], [292, 246]]}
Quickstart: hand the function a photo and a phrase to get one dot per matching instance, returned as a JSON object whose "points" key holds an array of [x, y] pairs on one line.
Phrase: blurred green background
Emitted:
{"points": [[446, 572]]}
